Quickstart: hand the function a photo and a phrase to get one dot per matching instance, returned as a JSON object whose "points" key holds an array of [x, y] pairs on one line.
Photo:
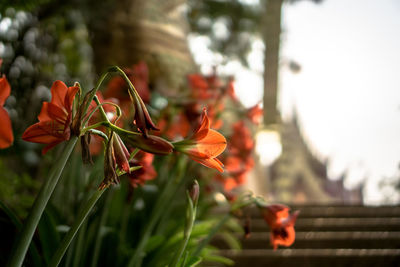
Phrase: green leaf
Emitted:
{"points": [[202, 228], [234, 225], [219, 259], [232, 241], [49, 236], [194, 261], [154, 242]]}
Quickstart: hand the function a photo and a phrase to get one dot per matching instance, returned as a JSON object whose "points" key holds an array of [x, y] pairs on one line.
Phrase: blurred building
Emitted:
{"points": [[299, 176]]}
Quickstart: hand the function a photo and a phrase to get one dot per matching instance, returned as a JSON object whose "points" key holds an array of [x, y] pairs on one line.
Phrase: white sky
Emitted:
{"points": [[347, 94]]}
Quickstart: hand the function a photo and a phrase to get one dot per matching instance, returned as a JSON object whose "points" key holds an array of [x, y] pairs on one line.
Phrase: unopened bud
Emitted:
{"points": [[80, 114], [110, 174], [85, 142], [152, 144], [194, 191], [142, 117], [121, 153]]}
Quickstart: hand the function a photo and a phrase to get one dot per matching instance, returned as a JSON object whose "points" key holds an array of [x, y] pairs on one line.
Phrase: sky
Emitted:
{"points": [[347, 95], [348, 92]]}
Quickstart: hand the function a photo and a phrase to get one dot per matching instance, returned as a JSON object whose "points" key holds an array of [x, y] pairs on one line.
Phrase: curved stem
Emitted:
{"points": [[75, 227], [39, 205], [192, 207], [99, 104], [93, 126], [93, 93]]}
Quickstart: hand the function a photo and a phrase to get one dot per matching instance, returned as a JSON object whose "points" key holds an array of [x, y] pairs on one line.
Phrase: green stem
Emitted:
{"points": [[138, 255], [186, 236], [40, 203], [103, 219], [159, 208], [93, 93], [75, 227], [99, 105], [93, 126], [210, 235], [79, 244]]}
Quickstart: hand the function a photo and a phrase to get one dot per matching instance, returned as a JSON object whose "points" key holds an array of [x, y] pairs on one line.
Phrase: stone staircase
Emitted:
{"points": [[327, 236]]}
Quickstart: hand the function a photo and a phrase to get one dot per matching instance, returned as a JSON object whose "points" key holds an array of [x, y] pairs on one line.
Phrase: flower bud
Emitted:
{"points": [[152, 144], [194, 192], [85, 142], [142, 118], [110, 174], [121, 153]]}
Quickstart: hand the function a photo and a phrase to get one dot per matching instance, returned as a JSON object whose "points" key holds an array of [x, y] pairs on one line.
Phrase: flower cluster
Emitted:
{"points": [[121, 126], [58, 121]]}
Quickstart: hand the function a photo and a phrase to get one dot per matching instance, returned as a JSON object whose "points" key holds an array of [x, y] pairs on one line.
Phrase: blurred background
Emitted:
{"points": [[337, 94], [318, 79], [325, 73]]}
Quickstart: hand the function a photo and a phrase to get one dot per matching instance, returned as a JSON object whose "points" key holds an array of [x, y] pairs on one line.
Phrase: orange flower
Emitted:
{"points": [[281, 224], [54, 119], [6, 135], [255, 114], [146, 173], [205, 145]]}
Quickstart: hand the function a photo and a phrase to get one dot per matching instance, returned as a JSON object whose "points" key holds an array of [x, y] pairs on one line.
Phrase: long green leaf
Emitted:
{"points": [[40, 204]]}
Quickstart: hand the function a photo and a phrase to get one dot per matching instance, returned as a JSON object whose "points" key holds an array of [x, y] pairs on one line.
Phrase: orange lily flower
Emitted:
{"points": [[55, 118], [205, 145], [6, 134], [281, 224], [146, 173]]}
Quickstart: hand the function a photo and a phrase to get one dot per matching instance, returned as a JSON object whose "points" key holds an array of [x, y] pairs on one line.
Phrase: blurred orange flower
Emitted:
{"points": [[146, 173], [54, 119], [255, 114], [205, 145], [6, 134], [281, 224]]}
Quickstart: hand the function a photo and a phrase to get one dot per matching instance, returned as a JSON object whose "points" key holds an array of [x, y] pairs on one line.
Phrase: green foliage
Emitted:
{"points": [[240, 21], [17, 190], [28, 5]]}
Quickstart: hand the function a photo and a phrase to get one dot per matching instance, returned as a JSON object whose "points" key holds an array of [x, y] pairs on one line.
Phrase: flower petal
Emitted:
{"points": [[69, 97], [58, 93], [212, 144], [52, 112], [44, 133], [5, 90], [211, 163], [205, 122], [6, 135], [282, 237]]}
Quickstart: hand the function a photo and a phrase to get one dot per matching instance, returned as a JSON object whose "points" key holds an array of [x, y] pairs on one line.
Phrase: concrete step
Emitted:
{"points": [[336, 224], [342, 211], [314, 257], [359, 240]]}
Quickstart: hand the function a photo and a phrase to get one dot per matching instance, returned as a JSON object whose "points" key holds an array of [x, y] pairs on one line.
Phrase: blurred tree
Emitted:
{"points": [[124, 32], [232, 26]]}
